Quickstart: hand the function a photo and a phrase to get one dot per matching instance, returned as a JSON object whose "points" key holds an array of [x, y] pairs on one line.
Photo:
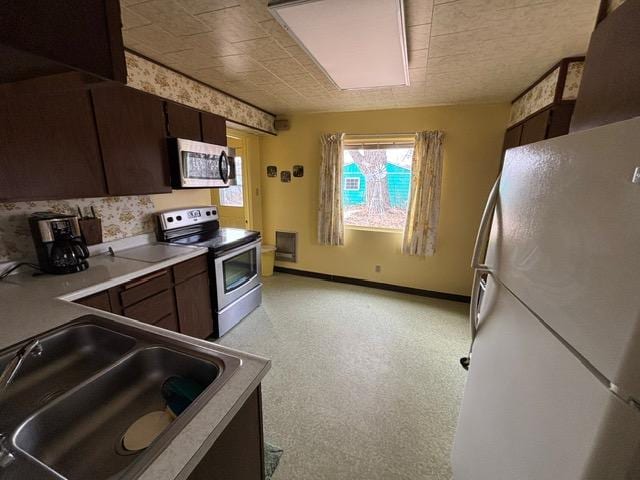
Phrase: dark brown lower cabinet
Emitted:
{"points": [[194, 306], [177, 299], [99, 300], [238, 453]]}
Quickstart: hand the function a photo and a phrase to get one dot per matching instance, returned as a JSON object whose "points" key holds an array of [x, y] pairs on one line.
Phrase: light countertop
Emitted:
{"points": [[31, 305]]}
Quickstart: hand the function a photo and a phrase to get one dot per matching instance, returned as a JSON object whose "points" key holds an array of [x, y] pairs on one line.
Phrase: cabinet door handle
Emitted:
{"points": [[140, 281]]}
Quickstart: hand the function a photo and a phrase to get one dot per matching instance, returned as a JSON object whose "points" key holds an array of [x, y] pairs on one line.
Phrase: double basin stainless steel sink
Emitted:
{"points": [[66, 411]]}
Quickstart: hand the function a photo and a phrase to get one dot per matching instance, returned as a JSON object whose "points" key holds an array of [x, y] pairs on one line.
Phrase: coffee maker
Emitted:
{"points": [[58, 242]]}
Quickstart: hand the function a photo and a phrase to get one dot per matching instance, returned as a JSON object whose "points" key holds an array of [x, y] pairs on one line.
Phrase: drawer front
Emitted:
{"points": [[169, 322], [152, 309], [183, 271], [144, 287]]}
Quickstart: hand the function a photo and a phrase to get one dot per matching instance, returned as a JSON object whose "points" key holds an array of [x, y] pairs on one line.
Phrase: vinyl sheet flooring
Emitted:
{"points": [[365, 383]]}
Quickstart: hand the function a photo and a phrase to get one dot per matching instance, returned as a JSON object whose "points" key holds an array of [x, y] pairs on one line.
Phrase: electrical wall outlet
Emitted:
{"points": [[378, 268]]}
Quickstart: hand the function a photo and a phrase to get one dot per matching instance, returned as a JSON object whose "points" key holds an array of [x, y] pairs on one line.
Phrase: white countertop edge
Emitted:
{"points": [[191, 252]]}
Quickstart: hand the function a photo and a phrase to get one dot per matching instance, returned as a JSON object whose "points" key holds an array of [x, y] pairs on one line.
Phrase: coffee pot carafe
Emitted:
{"points": [[58, 243]]}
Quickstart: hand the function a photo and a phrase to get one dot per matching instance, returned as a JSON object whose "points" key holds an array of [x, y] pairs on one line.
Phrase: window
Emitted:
{"points": [[232, 196], [377, 180], [352, 183]]}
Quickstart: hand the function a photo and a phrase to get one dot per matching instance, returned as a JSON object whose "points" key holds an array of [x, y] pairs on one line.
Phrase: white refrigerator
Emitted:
{"points": [[553, 388]]}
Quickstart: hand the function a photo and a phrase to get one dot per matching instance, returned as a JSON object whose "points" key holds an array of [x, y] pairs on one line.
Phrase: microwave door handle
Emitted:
{"points": [[224, 170]]}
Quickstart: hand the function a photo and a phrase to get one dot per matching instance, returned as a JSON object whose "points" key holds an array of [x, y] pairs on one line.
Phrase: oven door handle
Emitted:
{"points": [[238, 250]]}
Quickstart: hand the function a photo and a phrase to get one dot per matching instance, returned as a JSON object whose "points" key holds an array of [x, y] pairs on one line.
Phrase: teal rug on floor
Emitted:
{"points": [[272, 456]]}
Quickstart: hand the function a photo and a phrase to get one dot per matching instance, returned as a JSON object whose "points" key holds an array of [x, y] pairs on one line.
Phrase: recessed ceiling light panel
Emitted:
{"points": [[358, 43]]}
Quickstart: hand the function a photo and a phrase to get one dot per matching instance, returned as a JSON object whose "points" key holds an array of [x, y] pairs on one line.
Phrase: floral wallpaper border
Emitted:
{"points": [[572, 82], [153, 78], [121, 217], [535, 99], [543, 93]]}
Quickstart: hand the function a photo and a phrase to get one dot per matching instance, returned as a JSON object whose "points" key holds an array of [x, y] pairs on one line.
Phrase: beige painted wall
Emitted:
{"points": [[472, 150]]}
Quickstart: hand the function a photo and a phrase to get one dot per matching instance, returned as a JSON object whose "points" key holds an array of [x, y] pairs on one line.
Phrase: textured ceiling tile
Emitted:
{"points": [[188, 60], [243, 86], [233, 24], [256, 10], [300, 55], [476, 51], [196, 7], [131, 19], [211, 42], [274, 29], [219, 74], [262, 77], [262, 49], [156, 37], [170, 15], [418, 36], [417, 75], [417, 12], [240, 63], [418, 58], [287, 66]]}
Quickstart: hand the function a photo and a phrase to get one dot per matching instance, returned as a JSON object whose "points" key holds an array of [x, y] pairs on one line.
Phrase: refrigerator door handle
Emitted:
{"points": [[479, 284], [485, 227]]}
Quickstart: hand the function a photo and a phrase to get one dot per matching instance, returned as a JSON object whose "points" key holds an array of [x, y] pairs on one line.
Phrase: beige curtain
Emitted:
{"points": [[421, 227], [330, 224]]}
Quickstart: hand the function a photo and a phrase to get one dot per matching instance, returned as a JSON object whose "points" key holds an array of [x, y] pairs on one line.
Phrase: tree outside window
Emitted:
{"points": [[376, 184]]}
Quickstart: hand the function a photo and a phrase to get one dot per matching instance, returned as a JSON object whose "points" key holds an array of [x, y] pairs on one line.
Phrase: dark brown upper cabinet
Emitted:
{"points": [[535, 128], [39, 38], [214, 129], [610, 87], [48, 145], [512, 137], [183, 122], [131, 128]]}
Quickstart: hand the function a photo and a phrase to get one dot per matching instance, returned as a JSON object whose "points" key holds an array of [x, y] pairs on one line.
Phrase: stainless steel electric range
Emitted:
{"points": [[234, 261]]}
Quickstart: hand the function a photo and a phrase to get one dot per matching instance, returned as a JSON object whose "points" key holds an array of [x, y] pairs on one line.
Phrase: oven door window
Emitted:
{"points": [[201, 166], [239, 270]]}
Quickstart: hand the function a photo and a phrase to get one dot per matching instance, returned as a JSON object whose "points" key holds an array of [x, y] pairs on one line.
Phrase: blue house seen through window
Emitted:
{"points": [[354, 188]]}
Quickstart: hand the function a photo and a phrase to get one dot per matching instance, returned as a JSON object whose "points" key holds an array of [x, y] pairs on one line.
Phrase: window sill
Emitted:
{"points": [[373, 229]]}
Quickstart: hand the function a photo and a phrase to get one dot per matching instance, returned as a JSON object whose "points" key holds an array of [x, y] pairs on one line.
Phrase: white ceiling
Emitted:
{"points": [[460, 51]]}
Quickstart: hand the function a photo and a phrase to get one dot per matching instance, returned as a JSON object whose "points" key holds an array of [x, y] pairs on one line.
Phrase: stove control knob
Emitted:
{"points": [[169, 219], [179, 217]]}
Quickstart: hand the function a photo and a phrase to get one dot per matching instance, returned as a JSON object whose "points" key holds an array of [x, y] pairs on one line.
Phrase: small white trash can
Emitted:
{"points": [[268, 259]]}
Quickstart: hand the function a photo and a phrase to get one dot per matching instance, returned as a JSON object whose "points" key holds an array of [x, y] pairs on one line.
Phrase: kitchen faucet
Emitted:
{"points": [[6, 377]]}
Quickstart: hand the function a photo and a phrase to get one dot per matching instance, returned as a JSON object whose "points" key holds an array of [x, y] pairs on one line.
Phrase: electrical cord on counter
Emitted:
{"points": [[6, 272]]}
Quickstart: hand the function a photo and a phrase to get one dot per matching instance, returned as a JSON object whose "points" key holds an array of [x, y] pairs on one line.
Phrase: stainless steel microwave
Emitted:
{"points": [[199, 165]]}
